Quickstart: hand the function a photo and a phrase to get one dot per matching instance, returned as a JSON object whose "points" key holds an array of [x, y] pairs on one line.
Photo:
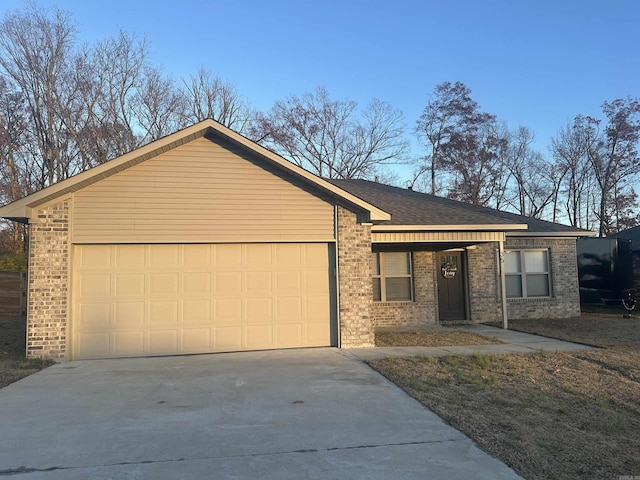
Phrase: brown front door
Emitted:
{"points": [[451, 295]]}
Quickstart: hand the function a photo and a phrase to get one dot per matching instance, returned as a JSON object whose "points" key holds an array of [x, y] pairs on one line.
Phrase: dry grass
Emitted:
{"points": [[13, 364], [547, 415], [431, 338]]}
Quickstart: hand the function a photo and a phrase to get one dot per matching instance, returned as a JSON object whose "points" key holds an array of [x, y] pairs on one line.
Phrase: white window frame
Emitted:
{"points": [[383, 276], [522, 274]]}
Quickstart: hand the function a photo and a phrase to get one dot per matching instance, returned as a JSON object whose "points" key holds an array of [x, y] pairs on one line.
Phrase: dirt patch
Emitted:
{"points": [[547, 415], [430, 338], [13, 363]]}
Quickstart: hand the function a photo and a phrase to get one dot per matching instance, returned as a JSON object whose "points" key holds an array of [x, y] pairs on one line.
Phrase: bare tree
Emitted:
{"points": [[159, 106], [208, 96], [533, 180], [35, 52], [617, 158], [329, 138], [473, 159], [572, 149], [449, 111]]}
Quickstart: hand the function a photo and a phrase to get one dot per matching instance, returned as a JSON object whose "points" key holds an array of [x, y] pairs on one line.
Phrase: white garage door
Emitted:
{"points": [[140, 300]]}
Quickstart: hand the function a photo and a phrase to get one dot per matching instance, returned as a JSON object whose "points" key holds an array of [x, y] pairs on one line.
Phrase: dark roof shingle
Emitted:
{"points": [[408, 207]]}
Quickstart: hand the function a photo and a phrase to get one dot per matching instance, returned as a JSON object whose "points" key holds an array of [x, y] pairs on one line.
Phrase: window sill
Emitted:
{"points": [[529, 299], [392, 302]]}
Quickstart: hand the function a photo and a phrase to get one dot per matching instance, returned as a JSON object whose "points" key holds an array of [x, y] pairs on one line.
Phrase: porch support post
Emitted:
{"points": [[503, 284]]}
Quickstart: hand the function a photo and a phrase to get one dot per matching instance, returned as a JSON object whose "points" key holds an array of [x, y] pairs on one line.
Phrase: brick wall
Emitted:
{"points": [[483, 282], [48, 283], [565, 301], [423, 310], [485, 302], [355, 283]]}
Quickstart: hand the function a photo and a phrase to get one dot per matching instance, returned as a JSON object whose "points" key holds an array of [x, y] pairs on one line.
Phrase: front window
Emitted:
{"points": [[527, 273], [391, 273]]}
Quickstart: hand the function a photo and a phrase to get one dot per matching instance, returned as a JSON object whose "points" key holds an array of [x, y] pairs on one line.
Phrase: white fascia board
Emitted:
{"points": [[450, 228], [551, 234]]}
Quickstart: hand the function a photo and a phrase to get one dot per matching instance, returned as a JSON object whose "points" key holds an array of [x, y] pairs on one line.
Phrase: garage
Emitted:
{"points": [[167, 299], [199, 242]]}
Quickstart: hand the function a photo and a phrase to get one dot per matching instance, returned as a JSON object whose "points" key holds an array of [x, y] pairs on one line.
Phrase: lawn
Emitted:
{"points": [[547, 415], [13, 364]]}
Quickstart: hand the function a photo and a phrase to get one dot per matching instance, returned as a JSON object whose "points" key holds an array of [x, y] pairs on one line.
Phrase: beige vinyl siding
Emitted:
{"points": [[200, 192]]}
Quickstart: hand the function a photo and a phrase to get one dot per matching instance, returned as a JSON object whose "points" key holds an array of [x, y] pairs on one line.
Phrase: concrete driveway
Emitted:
{"points": [[291, 414]]}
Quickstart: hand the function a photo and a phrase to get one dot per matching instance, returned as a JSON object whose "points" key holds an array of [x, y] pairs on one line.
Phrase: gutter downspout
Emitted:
{"points": [[503, 284], [337, 275]]}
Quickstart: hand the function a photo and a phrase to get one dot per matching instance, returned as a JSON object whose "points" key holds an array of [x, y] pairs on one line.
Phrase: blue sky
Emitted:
{"points": [[536, 63]]}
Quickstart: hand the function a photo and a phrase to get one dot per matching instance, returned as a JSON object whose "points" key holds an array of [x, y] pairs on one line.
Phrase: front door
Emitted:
{"points": [[451, 295]]}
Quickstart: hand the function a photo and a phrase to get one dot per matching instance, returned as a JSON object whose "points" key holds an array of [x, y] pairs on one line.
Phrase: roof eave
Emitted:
{"points": [[575, 234], [448, 228]]}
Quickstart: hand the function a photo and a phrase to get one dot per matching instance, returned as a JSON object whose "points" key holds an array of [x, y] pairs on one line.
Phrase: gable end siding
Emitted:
{"points": [[200, 192]]}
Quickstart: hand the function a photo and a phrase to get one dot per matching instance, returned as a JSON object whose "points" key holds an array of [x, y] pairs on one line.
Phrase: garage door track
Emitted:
{"points": [[291, 414]]}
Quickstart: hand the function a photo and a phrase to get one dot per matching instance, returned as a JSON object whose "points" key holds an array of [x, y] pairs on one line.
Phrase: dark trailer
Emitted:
{"points": [[604, 269]]}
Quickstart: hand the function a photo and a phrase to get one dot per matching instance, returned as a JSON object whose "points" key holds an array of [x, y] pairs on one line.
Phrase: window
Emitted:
{"points": [[391, 276], [527, 273]]}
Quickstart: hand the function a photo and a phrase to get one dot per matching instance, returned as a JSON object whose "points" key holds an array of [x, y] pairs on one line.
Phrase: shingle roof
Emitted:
{"points": [[632, 234], [408, 207]]}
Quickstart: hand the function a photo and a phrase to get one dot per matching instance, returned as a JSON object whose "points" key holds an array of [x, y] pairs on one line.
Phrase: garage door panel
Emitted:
{"points": [[315, 281], [196, 256], [258, 282], [259, 255], [289, 308], [129, 257], [95, 315], [128, 343], [289, 254], [228, 256], [94, 345], [316, 334], [164, 256], [228, 282], [259, 337], [259, 310], [129, 284], [96, 285], [137, 300], [196, 340], [129, 314], [288, 335], [98, 256], [288, 281], [316, 306], [163, 312], [228, 309], [163, 283], [197, 311], [228, 338], [196, 283], [163, 342], [313, 254]]}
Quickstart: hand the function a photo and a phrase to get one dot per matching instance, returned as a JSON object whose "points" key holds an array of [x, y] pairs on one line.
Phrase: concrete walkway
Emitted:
{"points": [[513, 342]]}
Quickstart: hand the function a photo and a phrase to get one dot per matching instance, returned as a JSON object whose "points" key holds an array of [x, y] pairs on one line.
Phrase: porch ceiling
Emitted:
{"points": [[436, 240]]}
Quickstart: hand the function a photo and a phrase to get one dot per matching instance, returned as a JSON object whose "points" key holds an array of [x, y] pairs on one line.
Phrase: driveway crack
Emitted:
{"points": [[24, 470]]}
